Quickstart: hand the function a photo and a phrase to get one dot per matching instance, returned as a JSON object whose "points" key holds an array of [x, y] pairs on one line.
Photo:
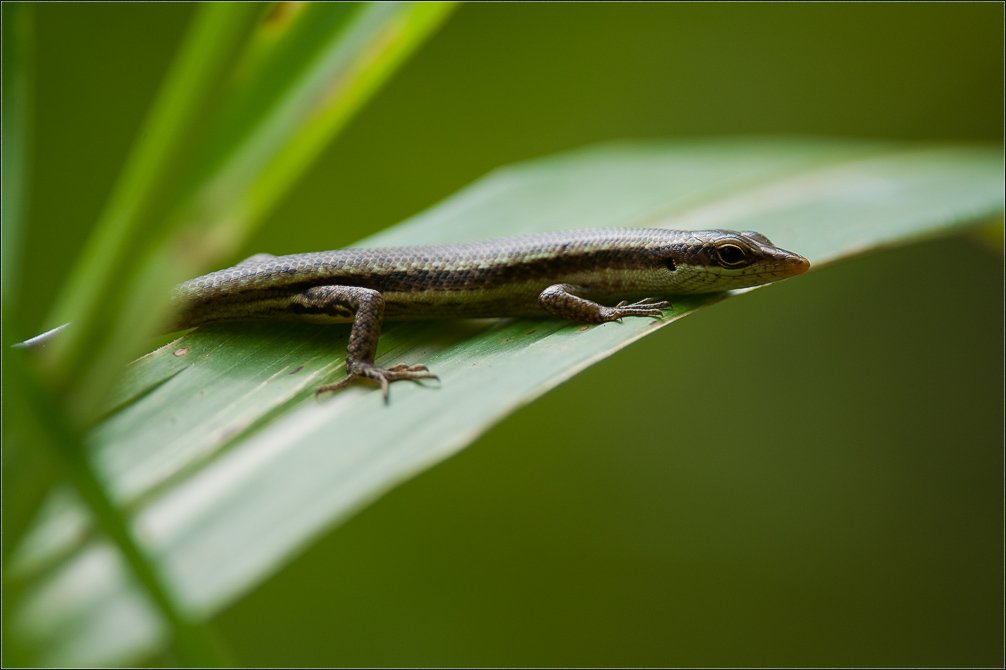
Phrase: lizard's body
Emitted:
{"points": [[566, 274]]}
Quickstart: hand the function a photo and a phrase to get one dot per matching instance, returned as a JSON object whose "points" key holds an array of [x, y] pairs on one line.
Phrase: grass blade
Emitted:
{"points": [[95, 291], [16, 101], [182, 200], [196, 186], [27, 474]]}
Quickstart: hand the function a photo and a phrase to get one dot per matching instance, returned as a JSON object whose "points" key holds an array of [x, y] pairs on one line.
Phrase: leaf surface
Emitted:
{"points": [[229, 466]]}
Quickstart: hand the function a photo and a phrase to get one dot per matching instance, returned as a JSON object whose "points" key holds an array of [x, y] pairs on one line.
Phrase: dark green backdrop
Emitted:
{"points": [[824, 485]]}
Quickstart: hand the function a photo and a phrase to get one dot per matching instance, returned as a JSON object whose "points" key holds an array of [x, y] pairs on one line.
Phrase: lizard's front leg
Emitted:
{"points": [[563, 301], [366, 307]]}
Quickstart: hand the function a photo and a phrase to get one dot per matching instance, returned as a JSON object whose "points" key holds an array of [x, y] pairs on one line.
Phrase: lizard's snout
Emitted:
{"points": [[793, 264]]}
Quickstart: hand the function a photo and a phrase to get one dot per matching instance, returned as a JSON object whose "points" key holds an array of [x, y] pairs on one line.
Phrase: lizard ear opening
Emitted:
{"points": [[669, 263]]}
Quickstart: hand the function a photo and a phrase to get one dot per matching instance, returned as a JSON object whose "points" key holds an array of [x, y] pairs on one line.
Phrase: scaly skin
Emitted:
{"points": [[565, 274]]}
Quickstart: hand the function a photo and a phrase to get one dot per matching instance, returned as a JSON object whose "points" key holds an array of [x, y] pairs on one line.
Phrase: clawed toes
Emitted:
{"points": [[330, 388], [383, 376], [410, 374], [652, 303], [403, 367], [643, 312], [644, 307]]}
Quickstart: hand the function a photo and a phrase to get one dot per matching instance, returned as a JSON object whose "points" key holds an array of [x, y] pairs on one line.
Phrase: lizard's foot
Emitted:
{"points": [[383, 376], [644, 307]]}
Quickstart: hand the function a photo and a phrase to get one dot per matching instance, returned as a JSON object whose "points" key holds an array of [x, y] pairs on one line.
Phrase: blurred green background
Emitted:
{"points": [[811, 474]]}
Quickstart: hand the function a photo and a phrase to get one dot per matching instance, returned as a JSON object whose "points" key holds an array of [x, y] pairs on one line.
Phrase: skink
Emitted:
{"points": [[565, 274]]}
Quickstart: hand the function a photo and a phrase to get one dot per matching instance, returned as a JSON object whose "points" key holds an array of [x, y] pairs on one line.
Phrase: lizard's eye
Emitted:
{"points": [[731, 256], [669, 263]]}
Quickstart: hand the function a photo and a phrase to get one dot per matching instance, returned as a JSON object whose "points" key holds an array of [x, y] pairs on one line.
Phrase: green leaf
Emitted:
{"points": [[254, 94], [230, 466], [27, 474], [250, 102], [18, 67], [105, 275]]}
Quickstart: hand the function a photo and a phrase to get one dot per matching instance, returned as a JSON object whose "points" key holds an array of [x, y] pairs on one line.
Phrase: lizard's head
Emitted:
{"points": [[708, 261]]}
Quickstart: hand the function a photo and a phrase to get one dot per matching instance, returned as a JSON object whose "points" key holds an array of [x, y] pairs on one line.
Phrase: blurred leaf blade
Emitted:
{"points": [[377, 39], [56, 424], [27, 473], [157, 229], [95, 289], [203, 197], [17, 102], [250, 467]]}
